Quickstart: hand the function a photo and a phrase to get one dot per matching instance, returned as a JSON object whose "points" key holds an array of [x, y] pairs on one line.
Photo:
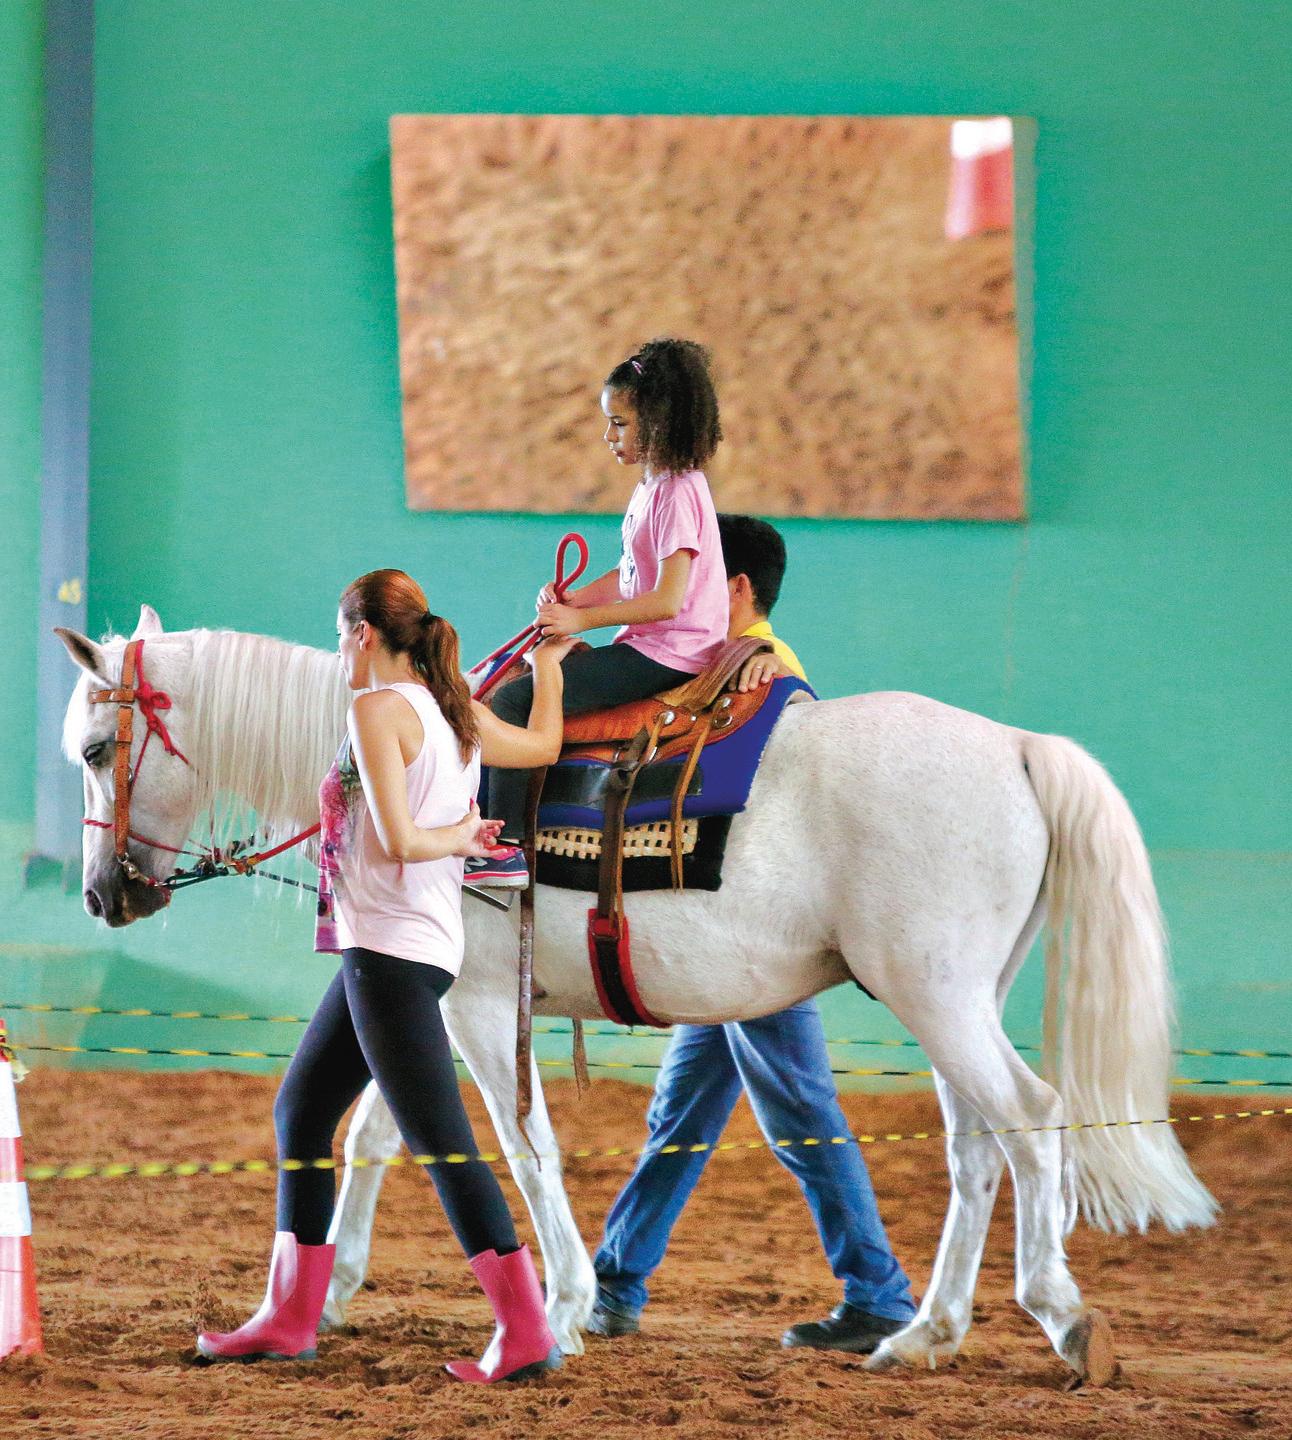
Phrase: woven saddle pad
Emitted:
{"points": [[641, 842]]}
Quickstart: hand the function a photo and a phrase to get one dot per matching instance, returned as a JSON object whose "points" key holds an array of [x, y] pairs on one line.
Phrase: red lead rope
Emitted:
{"points": [[152, 703], [238, 864], [525, 641], [212, 861]]}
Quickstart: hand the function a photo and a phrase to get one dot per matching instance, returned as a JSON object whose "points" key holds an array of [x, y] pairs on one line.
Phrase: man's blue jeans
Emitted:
{"points": [[784, 1067]]}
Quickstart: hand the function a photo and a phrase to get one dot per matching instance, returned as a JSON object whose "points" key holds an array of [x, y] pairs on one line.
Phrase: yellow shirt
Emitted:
{"points": [[763, 630]]}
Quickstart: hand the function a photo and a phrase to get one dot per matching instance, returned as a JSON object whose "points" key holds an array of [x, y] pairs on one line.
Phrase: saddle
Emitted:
{"points": [[629, 740], [651, 748]]}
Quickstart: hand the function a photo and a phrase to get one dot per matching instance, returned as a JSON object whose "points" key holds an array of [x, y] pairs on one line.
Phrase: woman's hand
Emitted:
{"points": [[474, 836], [551, 652], [761, 669], [555, 619], [546, 596]]}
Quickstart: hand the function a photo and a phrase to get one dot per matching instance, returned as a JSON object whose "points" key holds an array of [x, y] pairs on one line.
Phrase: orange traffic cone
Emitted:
{"points": [[981, 194], [19, 1312]]}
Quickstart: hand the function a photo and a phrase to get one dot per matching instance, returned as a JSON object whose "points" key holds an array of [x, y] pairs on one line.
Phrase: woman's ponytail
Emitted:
{"points": [[436, 658], [392, 602]]}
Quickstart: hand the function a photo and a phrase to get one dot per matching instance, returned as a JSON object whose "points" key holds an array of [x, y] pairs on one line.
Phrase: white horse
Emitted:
{"points": [[888, 838]]}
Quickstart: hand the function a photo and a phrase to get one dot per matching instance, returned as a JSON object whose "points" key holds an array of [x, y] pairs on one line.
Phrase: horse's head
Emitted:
{"points": [[162, 794]]}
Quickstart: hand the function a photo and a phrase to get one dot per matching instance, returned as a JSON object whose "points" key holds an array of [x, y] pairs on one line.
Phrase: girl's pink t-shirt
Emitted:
{"points": [[668, 513]]}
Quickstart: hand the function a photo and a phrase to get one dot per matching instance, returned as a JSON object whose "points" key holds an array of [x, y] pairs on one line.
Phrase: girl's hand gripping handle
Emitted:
{"points": [[518, 645]]}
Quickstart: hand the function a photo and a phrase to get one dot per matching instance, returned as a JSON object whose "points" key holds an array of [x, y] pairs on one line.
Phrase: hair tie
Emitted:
{"points": [[426, 618]]}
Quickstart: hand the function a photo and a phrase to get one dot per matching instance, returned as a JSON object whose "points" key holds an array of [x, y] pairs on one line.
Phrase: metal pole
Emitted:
{"points": [[69, 137]]}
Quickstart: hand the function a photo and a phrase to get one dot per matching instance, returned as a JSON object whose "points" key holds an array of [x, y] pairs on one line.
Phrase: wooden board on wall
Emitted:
{"points": [[866, 366]]}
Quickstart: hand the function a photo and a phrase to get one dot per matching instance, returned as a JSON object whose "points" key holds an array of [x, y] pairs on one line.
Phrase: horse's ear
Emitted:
{"points": [[149, 623], [85, 653]]}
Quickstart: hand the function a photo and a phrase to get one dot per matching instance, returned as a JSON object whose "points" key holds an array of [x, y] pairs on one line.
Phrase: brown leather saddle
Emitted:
{"points": [[630, 739]]}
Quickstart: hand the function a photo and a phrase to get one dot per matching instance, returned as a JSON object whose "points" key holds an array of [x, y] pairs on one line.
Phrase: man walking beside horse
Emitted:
{"points": [[781, 1063]]}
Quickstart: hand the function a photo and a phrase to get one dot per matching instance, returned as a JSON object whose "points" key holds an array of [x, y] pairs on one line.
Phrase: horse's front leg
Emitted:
{"points": [[372, 1139], [483, 1030]]}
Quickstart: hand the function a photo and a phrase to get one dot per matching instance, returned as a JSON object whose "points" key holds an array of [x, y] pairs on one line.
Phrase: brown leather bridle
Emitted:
{"points": [[134, 690]]}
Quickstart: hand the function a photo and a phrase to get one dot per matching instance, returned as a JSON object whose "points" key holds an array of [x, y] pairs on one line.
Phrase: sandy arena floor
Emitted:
{"points": [[129, 1269]]}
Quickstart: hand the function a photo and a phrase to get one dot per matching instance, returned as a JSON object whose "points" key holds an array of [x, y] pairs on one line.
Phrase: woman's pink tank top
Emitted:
{"points": [[412, 911]]}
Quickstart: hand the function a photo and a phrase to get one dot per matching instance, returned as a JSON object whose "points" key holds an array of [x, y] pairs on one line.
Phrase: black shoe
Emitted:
{"points": [[847, 1328], [610, 1324]]}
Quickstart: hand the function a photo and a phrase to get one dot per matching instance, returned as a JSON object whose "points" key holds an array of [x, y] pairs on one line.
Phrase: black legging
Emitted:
{"points": [[605, 675], [380, 1019]]}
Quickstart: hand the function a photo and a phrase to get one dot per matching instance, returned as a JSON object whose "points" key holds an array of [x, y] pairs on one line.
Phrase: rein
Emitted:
{"points": [[213, 862], [485, 678], [237, 858]]}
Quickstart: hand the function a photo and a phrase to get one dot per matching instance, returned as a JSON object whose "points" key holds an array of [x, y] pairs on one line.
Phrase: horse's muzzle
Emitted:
{"points": [[119, 901]]}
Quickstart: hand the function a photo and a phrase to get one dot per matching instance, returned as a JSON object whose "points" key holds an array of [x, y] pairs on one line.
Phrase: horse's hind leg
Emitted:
{"points": [[975, 1163], [975, 1059], [372, 1139]]}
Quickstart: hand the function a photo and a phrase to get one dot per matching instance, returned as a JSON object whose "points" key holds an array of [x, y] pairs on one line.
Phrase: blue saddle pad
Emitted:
{"points": [[720, 785]]}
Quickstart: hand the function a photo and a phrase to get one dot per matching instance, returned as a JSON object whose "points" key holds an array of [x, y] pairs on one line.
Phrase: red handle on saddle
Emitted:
{"points": [[525, 641]]}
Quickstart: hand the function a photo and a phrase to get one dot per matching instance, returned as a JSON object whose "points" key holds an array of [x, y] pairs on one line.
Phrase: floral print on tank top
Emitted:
{"points": [[339, 795]]}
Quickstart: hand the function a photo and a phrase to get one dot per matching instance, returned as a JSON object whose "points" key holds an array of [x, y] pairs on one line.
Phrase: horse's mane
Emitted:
{"points": [[265, 719]]}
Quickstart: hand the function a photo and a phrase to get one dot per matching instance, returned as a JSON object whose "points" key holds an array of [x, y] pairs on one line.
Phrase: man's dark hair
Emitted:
{"points": [[677, 407], [753, 547]]}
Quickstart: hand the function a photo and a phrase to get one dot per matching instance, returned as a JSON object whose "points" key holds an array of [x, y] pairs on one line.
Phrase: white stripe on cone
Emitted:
{"points": [[9, 1128], [20, 1327], [980, 194], [972, 138], [15, 1211]]}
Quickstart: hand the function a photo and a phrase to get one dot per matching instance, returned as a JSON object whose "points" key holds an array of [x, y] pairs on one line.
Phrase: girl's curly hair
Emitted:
{"points": [[677, 407]]}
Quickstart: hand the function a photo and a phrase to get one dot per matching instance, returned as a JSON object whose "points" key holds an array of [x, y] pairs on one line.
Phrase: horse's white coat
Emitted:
{"points": [[889, 838]]}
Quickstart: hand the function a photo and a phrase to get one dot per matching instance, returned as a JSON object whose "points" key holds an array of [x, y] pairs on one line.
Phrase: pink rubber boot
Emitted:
{"points": [[522, 1345], [286, 1325]]}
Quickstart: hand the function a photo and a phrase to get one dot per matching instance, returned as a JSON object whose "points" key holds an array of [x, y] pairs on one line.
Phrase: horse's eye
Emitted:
{"points": [[95, 754]]}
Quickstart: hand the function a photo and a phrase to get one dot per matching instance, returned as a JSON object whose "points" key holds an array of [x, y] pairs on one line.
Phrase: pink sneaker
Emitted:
{"points": [[505, 871]]}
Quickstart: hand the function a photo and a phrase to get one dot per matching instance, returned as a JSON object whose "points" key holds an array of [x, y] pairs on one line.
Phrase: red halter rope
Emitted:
{"points": [[525, 641], [134, 690]]}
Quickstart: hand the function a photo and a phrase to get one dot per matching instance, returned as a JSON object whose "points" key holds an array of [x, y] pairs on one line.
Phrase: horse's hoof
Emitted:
{"points": [[570, 1340], [893, 1356], [1088, 1348], [882, 1360]]}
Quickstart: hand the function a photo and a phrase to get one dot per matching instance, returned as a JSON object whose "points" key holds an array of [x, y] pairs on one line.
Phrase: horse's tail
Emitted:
{"points": [[1106, 954]]}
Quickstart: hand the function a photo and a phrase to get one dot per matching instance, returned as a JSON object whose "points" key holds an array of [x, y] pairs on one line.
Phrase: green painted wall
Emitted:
{"points": [[247, 453], [21, 223]]}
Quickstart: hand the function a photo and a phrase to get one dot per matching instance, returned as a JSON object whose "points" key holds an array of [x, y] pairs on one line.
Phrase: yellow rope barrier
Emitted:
{"points": [[287, 1055], [152, 1169], [864, 1071], [244, 1017]]}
